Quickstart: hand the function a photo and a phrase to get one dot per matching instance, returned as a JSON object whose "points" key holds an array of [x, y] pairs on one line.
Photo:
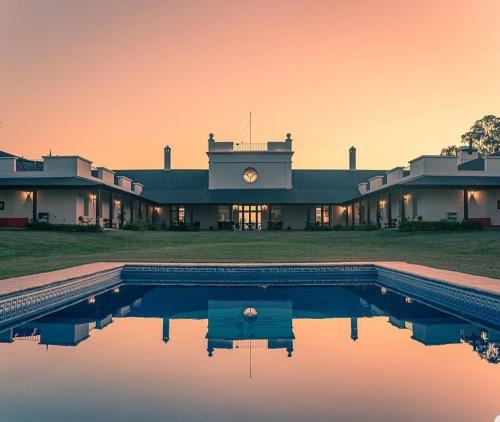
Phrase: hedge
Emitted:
{"points": [[90, 228], [340, 227], [431, 226]]}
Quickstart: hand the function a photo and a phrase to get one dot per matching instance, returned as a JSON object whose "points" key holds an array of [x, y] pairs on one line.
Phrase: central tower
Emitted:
{"points": [[250, 165]]}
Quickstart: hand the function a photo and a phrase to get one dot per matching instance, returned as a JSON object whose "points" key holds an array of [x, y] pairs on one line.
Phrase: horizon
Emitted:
{"points": [[116, 82]]}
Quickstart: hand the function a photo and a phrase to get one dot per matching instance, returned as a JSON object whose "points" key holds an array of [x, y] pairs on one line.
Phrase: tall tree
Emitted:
{"points": [[484, 135], [450, 151]]}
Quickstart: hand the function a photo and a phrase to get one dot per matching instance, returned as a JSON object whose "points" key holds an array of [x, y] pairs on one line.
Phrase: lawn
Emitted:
{"points": [[27, 252]]}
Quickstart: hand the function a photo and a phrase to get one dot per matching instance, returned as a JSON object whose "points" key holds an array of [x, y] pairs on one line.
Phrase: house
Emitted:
{"points": [[250, 186]]}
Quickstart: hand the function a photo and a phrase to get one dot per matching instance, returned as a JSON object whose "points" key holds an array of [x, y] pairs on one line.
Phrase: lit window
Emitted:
{"points": [[250, 175], [322, 215], [178, 215]]}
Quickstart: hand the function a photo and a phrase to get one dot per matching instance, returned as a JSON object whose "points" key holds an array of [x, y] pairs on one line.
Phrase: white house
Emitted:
{"points": [[250, 186]]}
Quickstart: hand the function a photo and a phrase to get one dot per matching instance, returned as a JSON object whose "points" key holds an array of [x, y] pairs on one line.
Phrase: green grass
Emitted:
{"points": [[27, 252]]}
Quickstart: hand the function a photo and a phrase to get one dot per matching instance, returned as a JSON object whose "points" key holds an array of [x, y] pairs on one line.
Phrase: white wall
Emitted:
{"points": [[274, 170]]}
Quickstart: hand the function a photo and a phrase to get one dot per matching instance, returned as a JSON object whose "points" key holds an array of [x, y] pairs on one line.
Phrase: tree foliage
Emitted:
{"points": [[484, 135]]}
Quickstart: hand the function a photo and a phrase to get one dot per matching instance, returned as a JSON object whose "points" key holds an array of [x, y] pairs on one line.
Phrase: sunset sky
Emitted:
{"points": [[115, 81]]}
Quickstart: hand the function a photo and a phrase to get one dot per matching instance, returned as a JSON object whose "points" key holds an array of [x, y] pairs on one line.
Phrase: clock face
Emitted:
{"points": [[250, 175]]}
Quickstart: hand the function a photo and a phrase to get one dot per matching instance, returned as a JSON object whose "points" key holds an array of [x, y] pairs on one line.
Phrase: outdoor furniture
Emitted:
{"points": [[391, 224], [82, 220], [109, 224]]}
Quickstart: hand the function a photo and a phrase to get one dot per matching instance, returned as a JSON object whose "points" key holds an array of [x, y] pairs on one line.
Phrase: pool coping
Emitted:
{"points": [[480, 284]]}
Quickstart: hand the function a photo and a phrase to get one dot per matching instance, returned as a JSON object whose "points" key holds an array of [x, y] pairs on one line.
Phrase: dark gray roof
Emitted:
{"points": [[191, 187], [23, 164], [45, 181], [476, 164], [459, 181], [57, 182]]}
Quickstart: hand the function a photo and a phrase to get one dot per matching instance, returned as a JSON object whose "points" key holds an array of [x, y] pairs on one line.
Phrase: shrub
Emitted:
{"points": [[143, 225], [428, 226], [359, 227], [184, 227], [341, 227], [316, 227], [90, 228]]}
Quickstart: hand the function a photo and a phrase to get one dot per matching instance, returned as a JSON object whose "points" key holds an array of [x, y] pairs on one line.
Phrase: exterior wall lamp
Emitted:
{"points": [[92, 197], [264, 207], [381, 204], [472, 194], [408, 300], [28, 194], [235, 207]]}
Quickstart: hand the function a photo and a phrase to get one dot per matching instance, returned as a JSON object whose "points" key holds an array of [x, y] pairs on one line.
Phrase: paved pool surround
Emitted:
{"points": [[474, 297]]}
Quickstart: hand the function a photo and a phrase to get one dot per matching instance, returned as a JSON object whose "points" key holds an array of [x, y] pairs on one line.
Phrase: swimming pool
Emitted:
{"points": [[198, 343]]}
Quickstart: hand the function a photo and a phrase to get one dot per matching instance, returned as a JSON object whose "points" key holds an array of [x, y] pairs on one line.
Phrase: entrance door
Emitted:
{"points": [[250, 217]]}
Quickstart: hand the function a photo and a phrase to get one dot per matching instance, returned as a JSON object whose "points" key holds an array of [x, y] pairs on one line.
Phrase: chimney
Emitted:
{"points": [[352, 158], [166, 158]]}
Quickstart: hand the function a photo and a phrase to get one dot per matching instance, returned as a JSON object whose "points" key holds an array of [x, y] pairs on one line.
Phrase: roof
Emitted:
{"points": [[59, 182], [46, 181], [309, 187], [23, 164], [459, 181], [476, 164]]}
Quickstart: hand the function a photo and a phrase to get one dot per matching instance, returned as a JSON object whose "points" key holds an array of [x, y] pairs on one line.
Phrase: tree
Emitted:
{"points": [[484, 135], [450, 151]]}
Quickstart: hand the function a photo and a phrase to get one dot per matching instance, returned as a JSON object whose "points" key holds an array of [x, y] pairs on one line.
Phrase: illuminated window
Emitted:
{"points": [[250, 175], [322, 215], [178, 215]]}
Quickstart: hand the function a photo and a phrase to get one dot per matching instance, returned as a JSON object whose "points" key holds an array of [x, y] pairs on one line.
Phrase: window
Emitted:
{"points": [[250, 175], [498, 204], [86, 206], [178, 215], [414, 207], [322, 215], [224, 213], [2, 205], [276, 214]]}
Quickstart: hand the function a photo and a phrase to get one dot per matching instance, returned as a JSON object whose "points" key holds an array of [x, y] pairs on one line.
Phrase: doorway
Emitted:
{"points": [[250, 217]]}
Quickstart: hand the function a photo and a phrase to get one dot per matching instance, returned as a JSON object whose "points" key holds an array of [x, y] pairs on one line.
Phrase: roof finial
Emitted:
{"points": [[211, 137], [288, 136]]}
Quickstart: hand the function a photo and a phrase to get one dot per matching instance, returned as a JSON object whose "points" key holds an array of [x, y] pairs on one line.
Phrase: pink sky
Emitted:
{"points": [[115, 81]]}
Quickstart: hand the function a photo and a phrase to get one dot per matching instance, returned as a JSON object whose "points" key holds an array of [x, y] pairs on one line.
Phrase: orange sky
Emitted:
{"points": [[115, 81]]}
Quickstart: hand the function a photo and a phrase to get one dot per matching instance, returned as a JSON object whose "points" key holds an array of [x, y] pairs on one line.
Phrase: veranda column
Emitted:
{"points": [[368, 212], [131, 205], [35, 206], [122, 213], [346, 210], [98, 206], [389, 207], [402, 205], [111, 210], [466, 204], [353, 215]]}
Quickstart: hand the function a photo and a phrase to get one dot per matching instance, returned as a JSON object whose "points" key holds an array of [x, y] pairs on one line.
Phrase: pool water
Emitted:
{"points": [[339, 353]]}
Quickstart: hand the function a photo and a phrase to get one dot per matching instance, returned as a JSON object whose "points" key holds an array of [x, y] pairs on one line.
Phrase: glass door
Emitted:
{"points": [[250, 217]]}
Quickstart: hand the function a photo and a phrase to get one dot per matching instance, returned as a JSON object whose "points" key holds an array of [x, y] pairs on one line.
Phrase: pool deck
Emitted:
{"points": [[468, 281]]}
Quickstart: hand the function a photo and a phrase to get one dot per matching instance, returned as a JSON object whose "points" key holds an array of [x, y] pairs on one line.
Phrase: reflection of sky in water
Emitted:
{"points": [[338, 353]]}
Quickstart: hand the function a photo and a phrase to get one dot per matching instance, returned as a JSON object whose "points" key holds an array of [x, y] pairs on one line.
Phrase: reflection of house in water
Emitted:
{"points": [[258, 323], [71, 325], [240, 317]]}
